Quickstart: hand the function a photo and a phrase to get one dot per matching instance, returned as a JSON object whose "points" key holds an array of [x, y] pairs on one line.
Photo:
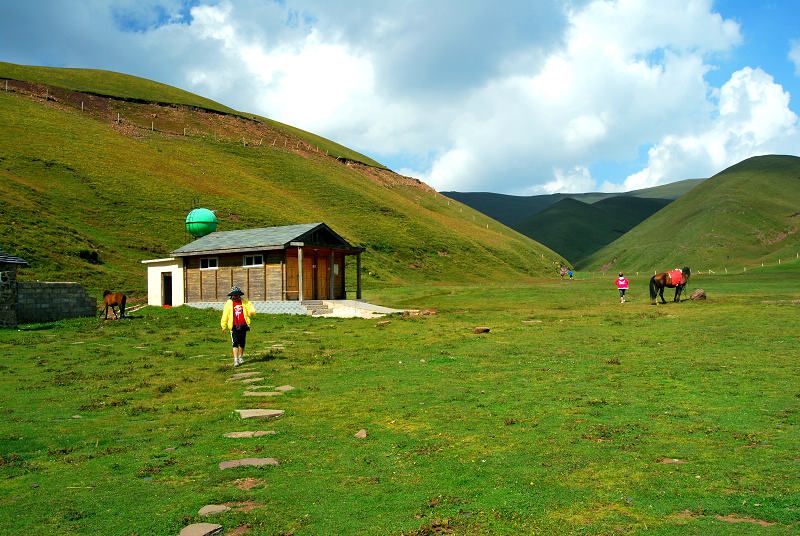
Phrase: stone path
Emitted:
{"points": [[248, 462], [257, 433], [259, 413], [211, 509], [252, 380], [240, 375], [247, 379], [201, 529]]}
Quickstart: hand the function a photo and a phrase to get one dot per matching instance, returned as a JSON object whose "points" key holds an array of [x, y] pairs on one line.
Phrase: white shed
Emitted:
{"points": [[165, 281]]}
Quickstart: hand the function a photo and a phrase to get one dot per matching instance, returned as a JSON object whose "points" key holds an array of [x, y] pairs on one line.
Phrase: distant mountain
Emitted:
{"points": [[514, 209], [554, 219], [576, 229], [749, 212]]}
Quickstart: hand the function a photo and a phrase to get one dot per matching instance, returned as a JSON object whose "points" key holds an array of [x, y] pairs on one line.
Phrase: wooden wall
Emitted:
{"points": [[276, 280], [259, 283]]}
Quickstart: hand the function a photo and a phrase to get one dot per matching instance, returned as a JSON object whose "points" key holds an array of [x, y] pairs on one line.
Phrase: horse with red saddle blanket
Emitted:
{"points": [[676, 279]]}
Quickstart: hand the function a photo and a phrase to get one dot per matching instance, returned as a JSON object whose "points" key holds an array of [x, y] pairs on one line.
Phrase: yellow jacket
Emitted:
{"points": [[227, 313]]}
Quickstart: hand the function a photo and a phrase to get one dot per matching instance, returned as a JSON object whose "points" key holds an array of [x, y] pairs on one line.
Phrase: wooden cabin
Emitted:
{"points": [[289, 263]]}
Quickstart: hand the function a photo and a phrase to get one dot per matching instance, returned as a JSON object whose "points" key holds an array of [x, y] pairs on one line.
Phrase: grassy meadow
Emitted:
{"points": [[573, 415]]}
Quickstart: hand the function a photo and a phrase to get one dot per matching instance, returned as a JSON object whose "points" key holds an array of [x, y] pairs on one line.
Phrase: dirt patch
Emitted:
{"points": [[669, 461], [686, 514], [247, 483], [241, 529], [774, 239], [243, 506], [733, 518]]}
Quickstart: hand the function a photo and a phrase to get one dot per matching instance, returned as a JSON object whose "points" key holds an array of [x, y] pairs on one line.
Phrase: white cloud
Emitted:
{"points": [[628, 72], [521, 98], [753, 118], [794, 55], [575, 180]]}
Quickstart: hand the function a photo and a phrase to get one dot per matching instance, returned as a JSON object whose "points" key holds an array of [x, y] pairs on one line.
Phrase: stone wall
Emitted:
{"points": [[46, 302], [8, 295]]}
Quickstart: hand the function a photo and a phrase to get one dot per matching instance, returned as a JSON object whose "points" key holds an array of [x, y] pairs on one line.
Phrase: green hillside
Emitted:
{"points": [[576, 229], [85, 198], [745, 214], [127, 87]]}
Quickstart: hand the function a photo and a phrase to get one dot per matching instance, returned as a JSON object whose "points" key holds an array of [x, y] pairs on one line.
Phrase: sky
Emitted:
{"points": [[519, 97]]}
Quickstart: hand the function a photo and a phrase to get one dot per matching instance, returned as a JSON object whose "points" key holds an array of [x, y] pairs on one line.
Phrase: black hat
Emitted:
{"points": [[235, 291]]}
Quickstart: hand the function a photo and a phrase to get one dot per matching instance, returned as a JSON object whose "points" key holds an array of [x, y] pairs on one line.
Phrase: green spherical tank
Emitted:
{"points": [[201, 222]]}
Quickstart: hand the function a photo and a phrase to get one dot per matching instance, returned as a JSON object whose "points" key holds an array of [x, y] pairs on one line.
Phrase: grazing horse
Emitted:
{"points": [[114, 299], [674, 278]]}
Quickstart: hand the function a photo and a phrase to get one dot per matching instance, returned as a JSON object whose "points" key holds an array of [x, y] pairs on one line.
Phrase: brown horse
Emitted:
{"points": [[676, 278], [114, 299]]}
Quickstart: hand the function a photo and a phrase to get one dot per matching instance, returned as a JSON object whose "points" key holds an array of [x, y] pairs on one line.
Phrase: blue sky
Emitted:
{"points": [[519, 97]]}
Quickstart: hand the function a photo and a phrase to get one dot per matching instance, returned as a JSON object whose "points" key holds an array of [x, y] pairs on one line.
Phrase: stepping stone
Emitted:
{"points": [[259, 413], [201, 529], [211, 509], [481, 329], [254, 387], [240, 375], [285, 388], [252, 380], [249, 462], [361, 434], [263, 393], [531, 321], [257, 433]]}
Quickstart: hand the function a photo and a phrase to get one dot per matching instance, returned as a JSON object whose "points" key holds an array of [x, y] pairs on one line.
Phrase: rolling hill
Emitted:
{"points": [[576, 229], [575, 225], [748, 213], [98, 170], [515, 209]]}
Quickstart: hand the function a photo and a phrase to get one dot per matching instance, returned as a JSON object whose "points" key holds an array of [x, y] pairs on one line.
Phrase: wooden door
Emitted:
{"points": [[323, 277], [308, 278], [292, 278]]}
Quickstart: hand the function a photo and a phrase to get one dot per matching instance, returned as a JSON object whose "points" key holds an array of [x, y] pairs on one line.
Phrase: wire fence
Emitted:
{"points": [[84, 102], [700, 271]]}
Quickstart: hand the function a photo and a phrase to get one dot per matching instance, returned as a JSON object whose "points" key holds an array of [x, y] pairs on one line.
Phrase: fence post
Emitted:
{"points": [[184, 131], [152, 126], [118, 118], [81, 105]]}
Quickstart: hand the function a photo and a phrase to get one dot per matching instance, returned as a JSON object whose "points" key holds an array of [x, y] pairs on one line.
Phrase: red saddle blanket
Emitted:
{"points": [[676, 277]]}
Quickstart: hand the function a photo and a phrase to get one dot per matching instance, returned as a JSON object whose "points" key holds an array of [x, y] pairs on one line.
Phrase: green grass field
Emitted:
{"points": [[557, 421]]}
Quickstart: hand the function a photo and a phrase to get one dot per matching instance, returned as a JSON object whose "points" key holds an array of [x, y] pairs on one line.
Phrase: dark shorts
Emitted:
{"points": [[622, 292], [239, 336]]}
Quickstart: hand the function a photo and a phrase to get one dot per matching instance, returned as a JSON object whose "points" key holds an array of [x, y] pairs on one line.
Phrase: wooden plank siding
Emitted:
{"points": [[258, 283]]}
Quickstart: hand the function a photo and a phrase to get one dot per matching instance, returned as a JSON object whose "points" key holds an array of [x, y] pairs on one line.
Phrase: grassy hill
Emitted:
{"points": [[744, 214], [43, 80], [576, 229], [84, 197]]}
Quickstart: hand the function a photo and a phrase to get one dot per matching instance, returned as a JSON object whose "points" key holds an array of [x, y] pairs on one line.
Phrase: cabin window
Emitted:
{"points": [[335, 269], [209, 263], [253, 260]]}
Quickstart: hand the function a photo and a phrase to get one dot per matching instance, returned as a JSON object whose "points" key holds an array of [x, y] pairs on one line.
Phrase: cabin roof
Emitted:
{"points": [[264, 238], [10, 259]]}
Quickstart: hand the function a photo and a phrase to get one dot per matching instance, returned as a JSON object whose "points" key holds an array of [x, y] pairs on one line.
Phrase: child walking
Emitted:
{"points": [[236, 318], [622, 285]]}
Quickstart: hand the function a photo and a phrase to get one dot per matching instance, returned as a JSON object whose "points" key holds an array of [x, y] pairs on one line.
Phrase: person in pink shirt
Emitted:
{"points": [[622, 285]]}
